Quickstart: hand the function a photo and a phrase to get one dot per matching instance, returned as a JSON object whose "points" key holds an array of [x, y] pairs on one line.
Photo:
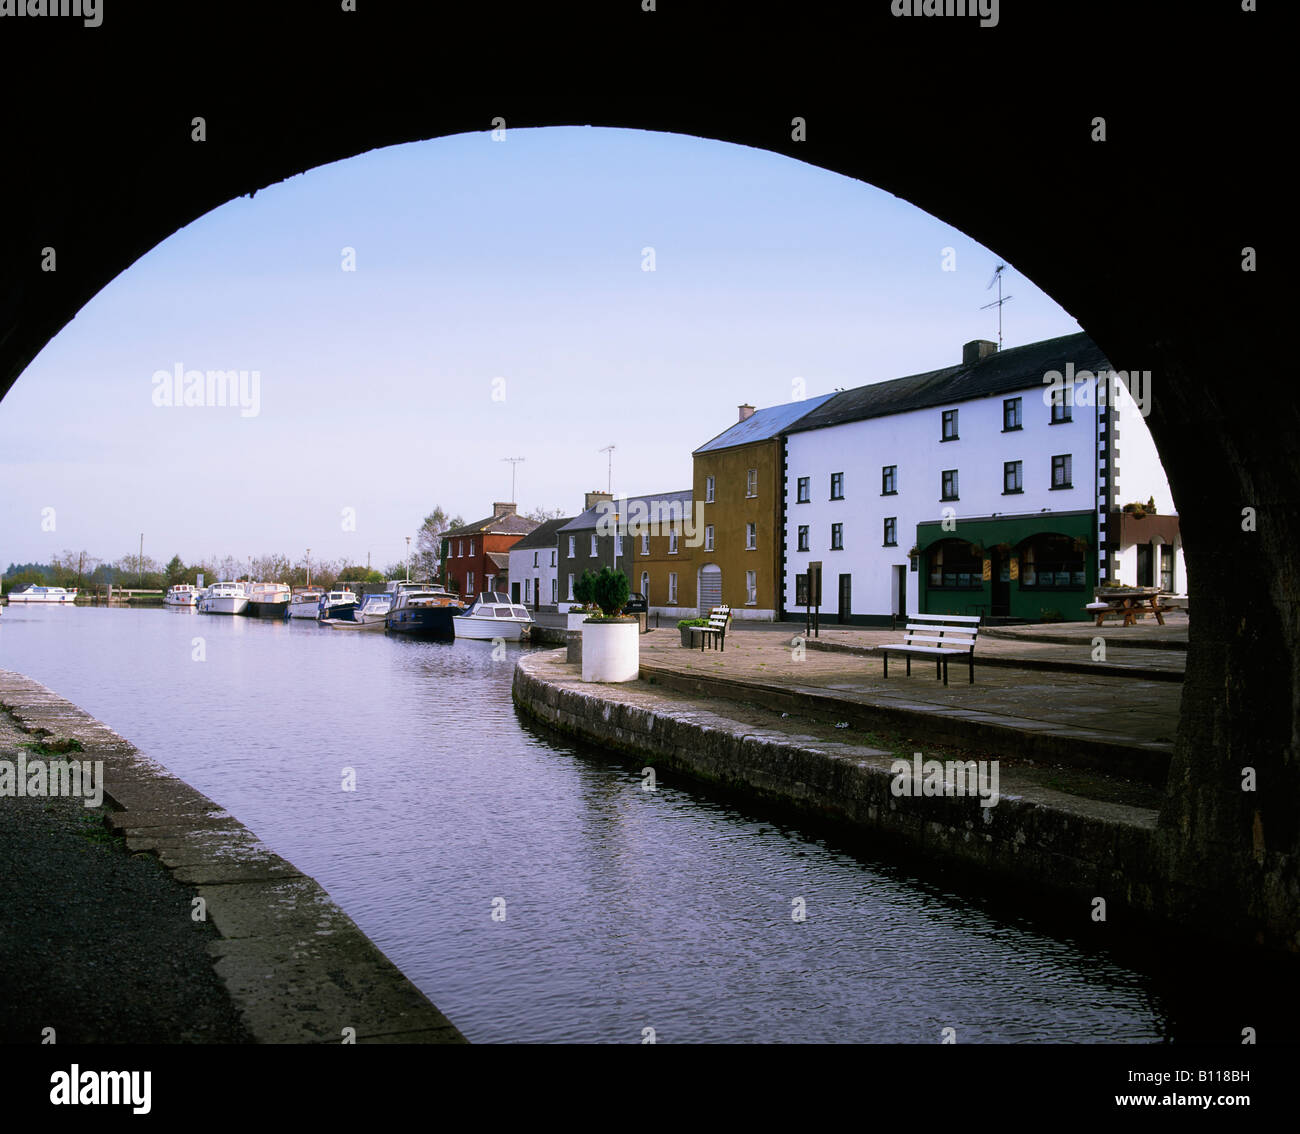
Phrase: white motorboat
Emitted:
{"points": [[493, 615], [224, 598], [336, 604], [369, 615], [305, 602], [182, 594], [33, 593]]}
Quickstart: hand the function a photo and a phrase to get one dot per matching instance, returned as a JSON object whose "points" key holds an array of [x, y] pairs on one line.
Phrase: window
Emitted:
{"points": [[469, 582], [949, 425], [672, 588], [645, 543], [471, 547], [837, 537], [460, 548], [552, 557], [1012, 477], [1052, 562], [889, 480], [672, 541], [555, 589], [891, 531], [708, 489], [1010, 415], [751, 537], [535, 554], [618, 546], [528, 590], [751, 587], [949, 485], [953, 566], [1061, 411], [804, 490], [1166, 568], [708, 537], [1061, 471], [645, 586], [570, 598], [593, 543], [837, 486], [751, 482], [572, 542], [803, 537]]}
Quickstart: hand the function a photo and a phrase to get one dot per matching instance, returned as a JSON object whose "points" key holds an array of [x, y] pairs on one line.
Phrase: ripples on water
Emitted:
{"points": [[625, 909]]}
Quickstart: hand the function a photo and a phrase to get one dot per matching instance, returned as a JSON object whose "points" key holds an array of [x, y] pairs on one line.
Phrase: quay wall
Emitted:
{"points": [[1070, 847]]}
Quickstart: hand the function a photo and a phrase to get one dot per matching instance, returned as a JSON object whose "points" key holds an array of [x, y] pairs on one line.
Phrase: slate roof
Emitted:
{"points": [[583, 522], [543, 535], [588, 520], [500, 558], [764, 424], [494, 525], [1020, 368]]}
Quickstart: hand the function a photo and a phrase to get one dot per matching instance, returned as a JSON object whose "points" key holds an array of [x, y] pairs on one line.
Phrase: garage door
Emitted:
{"points": [[710, 589]]}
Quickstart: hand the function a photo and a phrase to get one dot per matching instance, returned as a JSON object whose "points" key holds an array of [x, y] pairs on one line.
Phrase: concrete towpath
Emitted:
{"points": [[159, 918]]}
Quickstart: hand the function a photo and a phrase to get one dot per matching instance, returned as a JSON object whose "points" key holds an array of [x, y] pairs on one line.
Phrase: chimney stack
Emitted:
{"points": [[976, 351], [594, 498], [499, 510], [746, 412]]}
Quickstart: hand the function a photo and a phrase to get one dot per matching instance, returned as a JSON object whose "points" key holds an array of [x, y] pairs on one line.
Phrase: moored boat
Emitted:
{"points": [[424, 612], [182, 594], [305, 602], [369, 615], [337, 604], [33, 593], [268, 600], [493, 615], [224, 598]]}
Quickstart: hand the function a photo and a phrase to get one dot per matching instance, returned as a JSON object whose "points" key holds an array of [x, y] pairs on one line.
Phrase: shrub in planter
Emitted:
{"points": [[685, 627], [582, 590], [609, 591], [611, 648]]}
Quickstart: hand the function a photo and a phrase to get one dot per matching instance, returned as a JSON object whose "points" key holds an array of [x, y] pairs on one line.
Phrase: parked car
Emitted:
{"points": [[635, 604]]}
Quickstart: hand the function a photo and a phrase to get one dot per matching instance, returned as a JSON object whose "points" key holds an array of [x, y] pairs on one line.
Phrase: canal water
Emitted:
{"points": [[624, 909]]}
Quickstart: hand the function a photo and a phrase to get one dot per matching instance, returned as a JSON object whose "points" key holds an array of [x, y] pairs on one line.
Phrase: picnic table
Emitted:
{"points": [[1129, 603]]}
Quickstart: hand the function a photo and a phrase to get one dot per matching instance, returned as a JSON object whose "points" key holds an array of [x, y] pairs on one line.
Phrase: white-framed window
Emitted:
{"points": [[528, 590], [645, 543], [751, 536], [708, 489], [460, 548], [471, 547], [573, 540], [570, 598], [593, 543], [469, 583], [645, 586], [751, 587], [672, 541], [708, 537], [751, 482], [618, 546], [672, 588]]}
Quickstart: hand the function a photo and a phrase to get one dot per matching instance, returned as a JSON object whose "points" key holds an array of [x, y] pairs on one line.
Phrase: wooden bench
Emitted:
{"points": [[939, 636], [716, 630]]}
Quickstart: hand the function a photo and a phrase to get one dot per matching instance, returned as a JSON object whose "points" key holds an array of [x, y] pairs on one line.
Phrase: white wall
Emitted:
{"points": [[912, 442], [521, 568]]}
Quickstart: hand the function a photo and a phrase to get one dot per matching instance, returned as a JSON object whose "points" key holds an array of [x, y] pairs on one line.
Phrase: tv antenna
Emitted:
{"points": [[514, 462], [997, 278], [609, 486]]}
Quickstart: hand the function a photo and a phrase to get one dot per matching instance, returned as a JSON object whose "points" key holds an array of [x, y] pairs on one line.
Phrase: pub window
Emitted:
{"points": [[804, 490], [949, 425], [889, 480], [837, 486], [803, 537], [1052, 562], [837, 537], [1166, 568], [1061, 410], [954, 566], [891, 531], [1061, 471], [949, 484]]}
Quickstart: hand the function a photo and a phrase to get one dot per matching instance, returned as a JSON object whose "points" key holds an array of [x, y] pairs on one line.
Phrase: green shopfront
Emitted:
{"points": [[1038, 567]]}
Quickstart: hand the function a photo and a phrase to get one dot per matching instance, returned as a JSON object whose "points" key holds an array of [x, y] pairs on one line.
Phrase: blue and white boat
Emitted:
{"points": [[370, 615], [33, 593]]}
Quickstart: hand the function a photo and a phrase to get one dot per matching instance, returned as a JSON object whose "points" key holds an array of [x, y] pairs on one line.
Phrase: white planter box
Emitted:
{"points": [[611, 651]]}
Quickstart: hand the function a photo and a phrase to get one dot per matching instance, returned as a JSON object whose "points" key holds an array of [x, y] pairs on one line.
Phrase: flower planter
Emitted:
{"points": [[686, 636], [611, 651]]}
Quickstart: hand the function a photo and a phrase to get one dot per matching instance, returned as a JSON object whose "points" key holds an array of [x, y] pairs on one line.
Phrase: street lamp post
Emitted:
{"points": [[309, 566], [408, 559]]}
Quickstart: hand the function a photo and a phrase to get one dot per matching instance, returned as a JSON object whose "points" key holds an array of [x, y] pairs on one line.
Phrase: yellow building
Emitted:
{"points": [[739, 486], [658, 542]]}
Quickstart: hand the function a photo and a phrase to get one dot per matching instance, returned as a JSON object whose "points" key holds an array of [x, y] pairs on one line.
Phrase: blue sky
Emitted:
{"points": [[476, 260]]}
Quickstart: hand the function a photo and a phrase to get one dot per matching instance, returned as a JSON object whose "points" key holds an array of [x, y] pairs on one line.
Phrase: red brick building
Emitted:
{"points": [[476, 557]]}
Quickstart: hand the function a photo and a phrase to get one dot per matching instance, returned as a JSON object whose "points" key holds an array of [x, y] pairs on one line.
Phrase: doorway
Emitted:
{"points": [[1000, 606], [846, 599]]}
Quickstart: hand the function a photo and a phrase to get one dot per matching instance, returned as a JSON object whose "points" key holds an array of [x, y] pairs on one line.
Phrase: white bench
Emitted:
{"points": [[939, 636], [716, 630]]}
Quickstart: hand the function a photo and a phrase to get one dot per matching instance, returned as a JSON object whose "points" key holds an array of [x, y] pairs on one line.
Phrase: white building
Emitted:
{"points": [[979, 488], [534, 579]]}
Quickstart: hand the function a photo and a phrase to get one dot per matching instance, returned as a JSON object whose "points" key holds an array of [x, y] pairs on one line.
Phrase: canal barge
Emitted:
{"points": [[268, 600]]}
